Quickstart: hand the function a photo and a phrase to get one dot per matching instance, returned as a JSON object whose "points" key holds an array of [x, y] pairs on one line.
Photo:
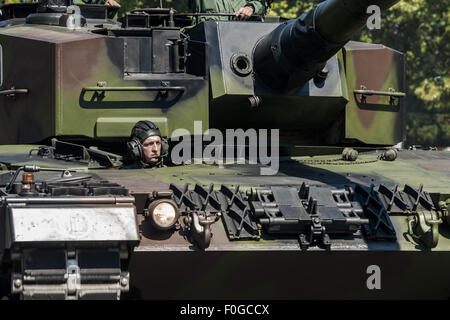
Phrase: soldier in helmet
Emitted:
{"points": [[243, 9], [111, 3], [146, 146]]}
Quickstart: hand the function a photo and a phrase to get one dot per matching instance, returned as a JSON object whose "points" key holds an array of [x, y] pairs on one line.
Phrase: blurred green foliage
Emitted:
{"points": [[420, 29]]}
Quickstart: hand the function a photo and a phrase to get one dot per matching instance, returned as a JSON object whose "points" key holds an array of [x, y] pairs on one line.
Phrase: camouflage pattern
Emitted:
{"points": [[95, 83], [384, 72], [77, 61], [225, 259]]}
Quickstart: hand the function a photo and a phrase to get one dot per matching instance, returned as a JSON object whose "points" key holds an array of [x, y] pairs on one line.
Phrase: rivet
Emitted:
{"points": [[17, 283]]}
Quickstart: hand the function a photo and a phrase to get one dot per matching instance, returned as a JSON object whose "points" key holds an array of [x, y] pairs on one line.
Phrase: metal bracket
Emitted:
{"points": [[17, 283], [73, 276], [199, 224], [34, 168], [424, 226], [316, 231], [44, 152], [230, 205], [444, 206], [58, 274], [380, 225], [11, 93], [312, 213], [127, 89], [237, 218], [392, 94], [66, 174]]}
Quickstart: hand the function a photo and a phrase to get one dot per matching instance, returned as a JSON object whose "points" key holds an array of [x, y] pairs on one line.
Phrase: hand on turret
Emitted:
{"points": [[112, 3], [245, 13]]}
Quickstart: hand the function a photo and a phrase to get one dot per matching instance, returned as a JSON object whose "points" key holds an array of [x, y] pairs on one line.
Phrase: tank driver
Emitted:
{"points": [[146, 146]]}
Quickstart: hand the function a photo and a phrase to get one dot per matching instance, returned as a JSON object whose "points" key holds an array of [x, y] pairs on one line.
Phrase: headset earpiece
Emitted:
{"points": [[164, 147], [135, 149]]}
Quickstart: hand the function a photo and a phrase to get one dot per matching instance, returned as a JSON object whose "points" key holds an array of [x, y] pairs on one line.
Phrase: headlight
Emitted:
{"points": [[163, 214]]}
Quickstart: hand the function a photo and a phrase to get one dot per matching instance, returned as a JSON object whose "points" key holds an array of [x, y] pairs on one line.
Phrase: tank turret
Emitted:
{"points": [[305, 78], [102, 76]]}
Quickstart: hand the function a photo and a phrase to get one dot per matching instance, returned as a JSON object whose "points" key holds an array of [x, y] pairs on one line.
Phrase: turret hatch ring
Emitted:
{"points": [[241, 64]]}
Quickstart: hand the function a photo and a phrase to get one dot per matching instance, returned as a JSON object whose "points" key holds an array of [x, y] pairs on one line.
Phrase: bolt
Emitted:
{"points": [[17, 283], [124, 282], [389, 155], [316, 220]]}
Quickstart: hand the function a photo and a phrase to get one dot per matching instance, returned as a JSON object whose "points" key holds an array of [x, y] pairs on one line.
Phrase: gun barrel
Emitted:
{"points": [[298, 49], [338, 20]]}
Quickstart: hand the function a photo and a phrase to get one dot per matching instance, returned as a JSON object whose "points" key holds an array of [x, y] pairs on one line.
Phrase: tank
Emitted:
{"points": [[334, 205]]}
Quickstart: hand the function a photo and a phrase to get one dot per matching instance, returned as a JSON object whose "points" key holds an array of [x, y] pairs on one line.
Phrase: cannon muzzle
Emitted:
{"points": [[298, 49]]}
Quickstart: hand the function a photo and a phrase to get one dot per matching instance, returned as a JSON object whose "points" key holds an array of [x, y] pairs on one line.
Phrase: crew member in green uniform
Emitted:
{"points": [[111, 3], [243, 9]]}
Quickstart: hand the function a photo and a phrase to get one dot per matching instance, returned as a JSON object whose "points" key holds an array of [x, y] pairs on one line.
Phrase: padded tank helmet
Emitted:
{"points": [[144, 129], [141, 131]]}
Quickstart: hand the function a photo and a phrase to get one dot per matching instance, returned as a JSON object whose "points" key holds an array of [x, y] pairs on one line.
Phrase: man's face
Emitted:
{"points": [[152, 148]]}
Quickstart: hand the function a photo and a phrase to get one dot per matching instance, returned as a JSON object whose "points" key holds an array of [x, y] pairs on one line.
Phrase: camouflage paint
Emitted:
{"points": [[28, 115], [312, 108], [431, 168], [377, 68], [276, 263], [71, 61], [277, 266]]}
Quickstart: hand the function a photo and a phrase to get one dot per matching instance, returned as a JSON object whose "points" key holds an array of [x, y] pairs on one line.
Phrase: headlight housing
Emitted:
{"points": [[163, 214]]}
